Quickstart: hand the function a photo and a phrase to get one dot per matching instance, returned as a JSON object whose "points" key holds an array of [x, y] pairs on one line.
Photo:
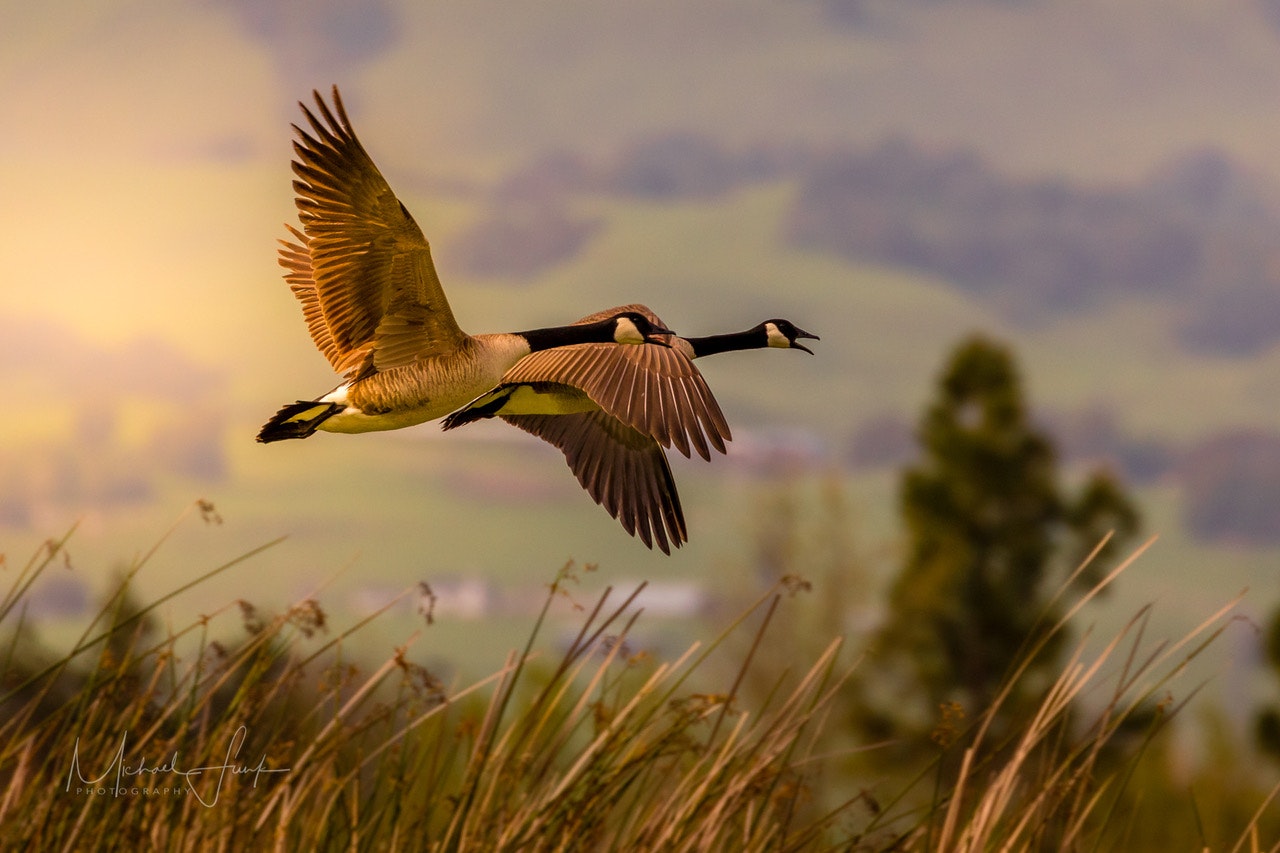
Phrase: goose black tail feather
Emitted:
{"points": [[297, 420], [475, 412]]}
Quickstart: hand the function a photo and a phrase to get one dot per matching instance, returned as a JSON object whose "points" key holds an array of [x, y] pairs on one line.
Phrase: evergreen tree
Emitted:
{"points": [[990, 538], [1267, 721]]}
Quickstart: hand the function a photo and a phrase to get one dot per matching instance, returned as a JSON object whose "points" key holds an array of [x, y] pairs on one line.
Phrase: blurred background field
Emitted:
{"points": [[1093, 183]]}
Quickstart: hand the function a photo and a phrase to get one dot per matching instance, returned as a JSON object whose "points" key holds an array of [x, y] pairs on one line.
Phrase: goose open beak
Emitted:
{"points": [[801, 333]]}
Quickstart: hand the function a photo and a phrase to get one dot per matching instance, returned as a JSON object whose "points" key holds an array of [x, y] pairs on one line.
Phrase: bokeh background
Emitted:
{"points": [[1095, 183]]}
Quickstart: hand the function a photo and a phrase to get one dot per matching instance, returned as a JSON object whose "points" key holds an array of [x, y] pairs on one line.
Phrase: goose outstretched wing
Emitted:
{"points": [[360, 266]]}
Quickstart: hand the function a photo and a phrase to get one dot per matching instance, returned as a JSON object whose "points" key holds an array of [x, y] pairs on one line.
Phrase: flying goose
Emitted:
{"points": [[374, 305], [612, 410]]}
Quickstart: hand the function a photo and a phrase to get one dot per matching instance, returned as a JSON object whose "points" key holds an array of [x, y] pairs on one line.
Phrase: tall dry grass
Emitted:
{"points": [[174, 739]]}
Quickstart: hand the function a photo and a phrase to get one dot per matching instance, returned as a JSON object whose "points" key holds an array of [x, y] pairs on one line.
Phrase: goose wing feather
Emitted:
{"points": [[624, 470], [296, 260], [655, 390], [375, 299]]}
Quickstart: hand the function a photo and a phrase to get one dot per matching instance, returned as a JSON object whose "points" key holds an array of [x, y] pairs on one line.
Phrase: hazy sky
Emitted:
{"points": [[143, 162], [144, 159]]}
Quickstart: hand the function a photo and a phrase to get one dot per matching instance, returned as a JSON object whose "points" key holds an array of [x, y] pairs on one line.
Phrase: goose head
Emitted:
{"points": [[632, 327], [783, 334]]}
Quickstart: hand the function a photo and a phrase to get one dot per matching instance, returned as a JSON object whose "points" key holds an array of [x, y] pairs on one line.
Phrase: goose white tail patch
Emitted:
{"points": [[337, 395]]}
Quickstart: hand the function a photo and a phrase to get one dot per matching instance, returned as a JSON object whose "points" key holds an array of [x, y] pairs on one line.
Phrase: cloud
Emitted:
{"points": [[522, 241], [307, 38], [56, 357], [101, 426]]}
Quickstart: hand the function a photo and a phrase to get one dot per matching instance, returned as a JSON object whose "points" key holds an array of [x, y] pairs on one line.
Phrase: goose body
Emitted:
{"points": [[619, 416], [373, 303], [424, 390]]}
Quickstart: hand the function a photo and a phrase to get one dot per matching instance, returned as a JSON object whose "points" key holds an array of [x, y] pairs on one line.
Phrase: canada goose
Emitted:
{"points": [[373, 302], [612, 410]]}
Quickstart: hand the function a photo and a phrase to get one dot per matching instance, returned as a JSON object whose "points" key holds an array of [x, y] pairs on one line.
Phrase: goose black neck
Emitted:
{"points": [[712, 344], [563, 336]]}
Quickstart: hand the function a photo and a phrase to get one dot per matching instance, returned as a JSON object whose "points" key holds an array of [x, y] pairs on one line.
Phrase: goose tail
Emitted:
{"points": [[297, 420], [485, 406]]}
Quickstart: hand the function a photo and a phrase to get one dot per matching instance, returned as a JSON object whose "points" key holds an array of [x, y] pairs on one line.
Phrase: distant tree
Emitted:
{"points": [[1267, 721], [990, 538]]}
